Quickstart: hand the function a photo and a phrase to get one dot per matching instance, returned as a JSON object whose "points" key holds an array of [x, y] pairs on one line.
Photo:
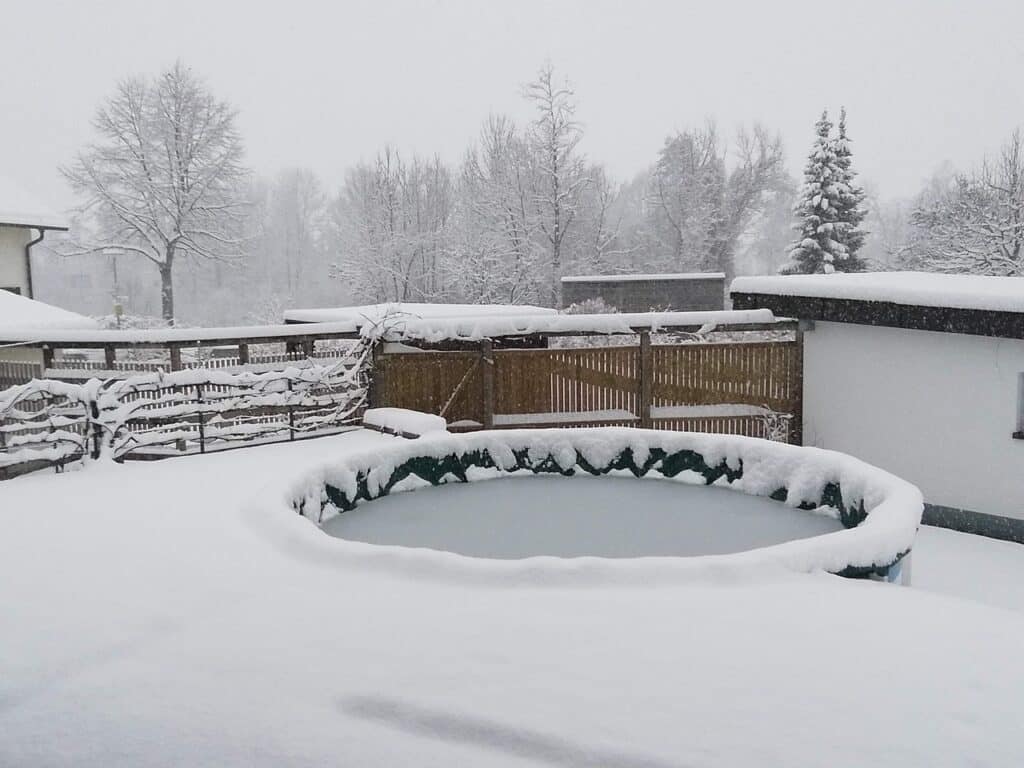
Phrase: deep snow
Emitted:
{"points": [[173, 613]]}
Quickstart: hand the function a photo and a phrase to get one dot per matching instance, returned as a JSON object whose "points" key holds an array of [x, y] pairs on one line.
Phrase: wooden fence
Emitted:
{"points": [[13, 373], [749, 388]]}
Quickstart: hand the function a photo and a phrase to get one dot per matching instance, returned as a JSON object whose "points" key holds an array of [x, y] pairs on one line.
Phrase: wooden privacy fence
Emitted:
{"points": [[13, 373], [49, 422], [749, 388]]}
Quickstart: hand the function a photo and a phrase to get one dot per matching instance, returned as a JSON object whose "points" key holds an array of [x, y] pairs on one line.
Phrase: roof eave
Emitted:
{"points": [[46, 227], [912, 317]]}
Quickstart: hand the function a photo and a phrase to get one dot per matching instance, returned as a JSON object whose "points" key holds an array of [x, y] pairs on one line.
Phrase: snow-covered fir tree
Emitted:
{"points": [[829, 208], [851, 201]]}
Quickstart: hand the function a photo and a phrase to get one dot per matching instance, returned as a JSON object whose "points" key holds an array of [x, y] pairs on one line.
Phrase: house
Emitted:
{"points": [[682, 292], [24, 222], [920, 374]]}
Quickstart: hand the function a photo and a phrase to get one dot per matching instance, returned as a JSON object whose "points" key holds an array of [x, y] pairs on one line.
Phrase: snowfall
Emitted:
{"points": [[179, 613]]}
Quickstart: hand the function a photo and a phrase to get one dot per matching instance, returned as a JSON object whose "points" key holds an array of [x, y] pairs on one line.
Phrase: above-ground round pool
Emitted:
{"points": [[620, 494], [516, 517]]}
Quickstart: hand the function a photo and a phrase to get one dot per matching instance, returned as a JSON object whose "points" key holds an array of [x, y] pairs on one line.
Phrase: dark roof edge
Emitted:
{"points": [[48, 227], [973, 322]]}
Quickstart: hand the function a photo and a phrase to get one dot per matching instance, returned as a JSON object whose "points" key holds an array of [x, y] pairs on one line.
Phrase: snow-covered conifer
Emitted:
{"points": [[822, 212]]}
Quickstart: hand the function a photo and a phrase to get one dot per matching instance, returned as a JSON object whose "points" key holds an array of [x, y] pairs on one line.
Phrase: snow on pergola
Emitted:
{"points": [[398, 327], [376, 312]]}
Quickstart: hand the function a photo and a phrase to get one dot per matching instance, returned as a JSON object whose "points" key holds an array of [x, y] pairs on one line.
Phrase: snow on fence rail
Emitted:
{"points": [[49, 422]]}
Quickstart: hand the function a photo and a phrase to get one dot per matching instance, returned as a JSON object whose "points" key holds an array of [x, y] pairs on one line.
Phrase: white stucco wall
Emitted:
{"points": [[12, 258], [937, 409]]}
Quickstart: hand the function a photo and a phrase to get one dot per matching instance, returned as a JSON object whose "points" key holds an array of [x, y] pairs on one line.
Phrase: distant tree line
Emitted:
{"points": [[522, 208], [164, 187]]}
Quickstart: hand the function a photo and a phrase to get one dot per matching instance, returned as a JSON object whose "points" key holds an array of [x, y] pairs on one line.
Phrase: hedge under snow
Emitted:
{"points": [[879, 511]]}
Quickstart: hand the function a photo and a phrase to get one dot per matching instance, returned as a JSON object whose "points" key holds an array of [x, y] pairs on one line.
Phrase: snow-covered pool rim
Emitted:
{"points": [[884, 510]]}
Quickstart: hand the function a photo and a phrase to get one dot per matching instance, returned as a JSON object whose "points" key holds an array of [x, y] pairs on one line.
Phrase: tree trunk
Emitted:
{"points": [[167, 288]]}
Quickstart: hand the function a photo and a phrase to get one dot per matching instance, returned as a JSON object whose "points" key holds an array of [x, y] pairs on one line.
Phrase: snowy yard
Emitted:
{"points": [[176, 613]]}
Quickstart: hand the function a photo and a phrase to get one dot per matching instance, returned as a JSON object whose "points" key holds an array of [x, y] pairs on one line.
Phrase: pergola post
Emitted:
{"points": [[646, 374], [487, 379]]}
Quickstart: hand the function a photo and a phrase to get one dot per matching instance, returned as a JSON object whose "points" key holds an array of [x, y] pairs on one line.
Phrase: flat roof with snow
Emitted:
{"points": [[19, 208], [644, 278], [971, 304]]}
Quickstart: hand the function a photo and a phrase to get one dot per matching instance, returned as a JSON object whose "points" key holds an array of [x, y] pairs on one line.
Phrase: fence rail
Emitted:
{"points": [[749, 388]]}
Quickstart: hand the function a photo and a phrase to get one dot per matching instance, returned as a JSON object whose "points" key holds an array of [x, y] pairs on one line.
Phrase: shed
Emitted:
{"points": [[682, 292], [919, 373]]}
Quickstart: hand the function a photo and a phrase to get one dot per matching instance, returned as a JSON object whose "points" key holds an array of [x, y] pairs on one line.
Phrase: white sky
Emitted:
{"points": [[326, 84]]}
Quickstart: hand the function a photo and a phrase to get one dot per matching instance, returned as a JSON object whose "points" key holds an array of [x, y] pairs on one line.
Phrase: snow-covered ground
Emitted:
{"points": [[175, 613]]}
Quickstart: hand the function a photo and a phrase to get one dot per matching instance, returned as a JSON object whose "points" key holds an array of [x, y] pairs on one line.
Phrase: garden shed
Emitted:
{"points": [[922, 374]]}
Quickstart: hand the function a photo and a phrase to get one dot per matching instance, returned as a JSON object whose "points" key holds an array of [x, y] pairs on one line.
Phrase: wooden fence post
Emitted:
{"points": [[175, 353], [202, 420], [377, 374], [243, 354], [110, 357], [291, 413], [646, 375], [47, 357], [796, 428], [487, 381], [93, 409]]}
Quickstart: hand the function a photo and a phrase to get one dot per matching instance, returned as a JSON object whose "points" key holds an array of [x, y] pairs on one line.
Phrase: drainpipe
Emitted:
{"points": [[28, 261]]}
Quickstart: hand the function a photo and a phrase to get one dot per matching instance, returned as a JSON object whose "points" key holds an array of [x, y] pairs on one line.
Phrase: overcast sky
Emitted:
{"points": [[324, 85]]}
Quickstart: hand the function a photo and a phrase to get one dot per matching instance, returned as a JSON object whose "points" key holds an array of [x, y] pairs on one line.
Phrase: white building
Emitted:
{"points": [[920, 374], [24, 222]]}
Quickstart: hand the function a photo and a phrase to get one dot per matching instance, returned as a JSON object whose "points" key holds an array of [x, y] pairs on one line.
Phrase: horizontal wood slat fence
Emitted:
{"points": [[747, 388]]}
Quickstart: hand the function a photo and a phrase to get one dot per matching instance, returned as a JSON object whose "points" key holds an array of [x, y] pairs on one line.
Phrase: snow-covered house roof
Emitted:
{"points": [[372, 313], [19, 208], [20, 317], [972, 304]]}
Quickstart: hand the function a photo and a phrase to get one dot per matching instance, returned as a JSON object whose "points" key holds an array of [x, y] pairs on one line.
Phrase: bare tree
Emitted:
{"points": [[756, 171], [164, 179], [685, 196], [499, 232], [700, 204], [976, 223], [554, 136], [391, 225], [295, 223]]}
